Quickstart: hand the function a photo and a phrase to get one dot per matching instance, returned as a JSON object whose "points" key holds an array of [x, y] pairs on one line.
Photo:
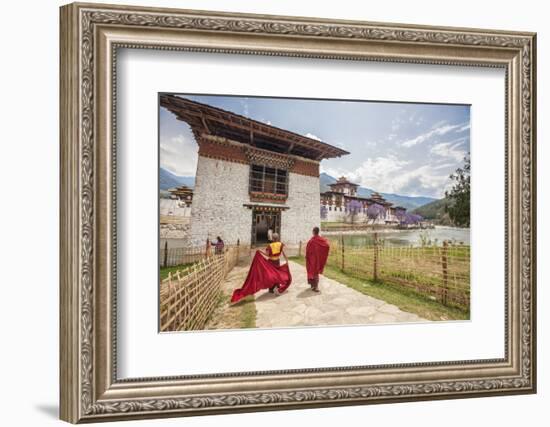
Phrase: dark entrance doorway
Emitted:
{"points": [[262, 221]]}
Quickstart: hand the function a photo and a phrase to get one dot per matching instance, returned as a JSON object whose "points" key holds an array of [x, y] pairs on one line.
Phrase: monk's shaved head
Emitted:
{"points": [[315, 231]]}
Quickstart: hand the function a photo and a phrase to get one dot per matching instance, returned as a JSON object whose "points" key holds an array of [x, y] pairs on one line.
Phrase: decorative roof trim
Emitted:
{"points": [[223, 140]]}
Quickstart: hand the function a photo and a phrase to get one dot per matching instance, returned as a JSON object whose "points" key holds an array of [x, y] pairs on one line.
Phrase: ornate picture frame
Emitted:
{"points": [[90, 37]]}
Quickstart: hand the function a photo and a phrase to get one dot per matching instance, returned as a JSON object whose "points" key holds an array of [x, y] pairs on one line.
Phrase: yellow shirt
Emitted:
{"points": [[275, 250]]}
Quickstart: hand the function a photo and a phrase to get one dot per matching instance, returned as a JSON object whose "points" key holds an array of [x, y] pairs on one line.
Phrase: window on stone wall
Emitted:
{"points": [[266, 179]]}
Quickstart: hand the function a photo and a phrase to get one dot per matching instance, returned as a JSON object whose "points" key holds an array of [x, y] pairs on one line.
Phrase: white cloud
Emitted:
{"points": [[445, 166], [264, 120], [179, 154], [312, 136], [439, 124], [315, 137], [464, 128], [373, 172], [391, 175], [244, 105], [442, 128], [423, 181], [449, 150]]}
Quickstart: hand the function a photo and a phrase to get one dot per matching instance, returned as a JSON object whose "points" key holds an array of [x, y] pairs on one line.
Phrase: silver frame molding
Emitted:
{"points": [[90, 37]]}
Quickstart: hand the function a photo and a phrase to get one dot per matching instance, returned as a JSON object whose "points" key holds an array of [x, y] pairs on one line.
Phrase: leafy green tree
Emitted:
{"points": [[459, 195]]}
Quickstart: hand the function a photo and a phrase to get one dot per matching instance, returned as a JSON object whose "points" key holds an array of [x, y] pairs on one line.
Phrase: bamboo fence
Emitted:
{"points": [[189, 296], [171, 257], [439, 272]]}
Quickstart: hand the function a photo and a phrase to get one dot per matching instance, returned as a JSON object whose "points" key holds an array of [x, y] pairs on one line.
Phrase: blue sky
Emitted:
{"points": [[409, 149]]}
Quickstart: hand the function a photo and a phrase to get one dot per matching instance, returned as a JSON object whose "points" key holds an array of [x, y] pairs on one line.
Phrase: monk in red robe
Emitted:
{"points": [[316, 258], [273, 252], [266, 272]]}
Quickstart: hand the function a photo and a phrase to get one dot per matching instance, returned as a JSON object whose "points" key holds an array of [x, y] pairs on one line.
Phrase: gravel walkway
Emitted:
{"points": [[336, 304]]}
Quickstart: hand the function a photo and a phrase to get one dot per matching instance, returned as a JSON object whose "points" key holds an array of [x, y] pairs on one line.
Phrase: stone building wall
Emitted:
{"points": [[303, 213], [221, 189], [335, 215]]}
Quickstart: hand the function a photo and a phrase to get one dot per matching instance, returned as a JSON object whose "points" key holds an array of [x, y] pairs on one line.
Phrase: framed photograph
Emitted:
{"points": [[268, 212]]}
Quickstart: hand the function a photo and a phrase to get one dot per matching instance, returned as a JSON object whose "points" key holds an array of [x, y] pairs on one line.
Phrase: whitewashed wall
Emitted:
{"points": [[335, 215], [303, 213], [221, 189]]}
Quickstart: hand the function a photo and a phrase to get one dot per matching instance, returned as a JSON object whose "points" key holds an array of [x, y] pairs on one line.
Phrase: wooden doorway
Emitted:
{"points": [[262, 221]]}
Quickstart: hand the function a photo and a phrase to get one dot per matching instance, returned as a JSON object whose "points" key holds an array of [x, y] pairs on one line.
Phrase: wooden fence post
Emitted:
{"points": [[445, 272], [300, 249], [238, 251], [165, 262], [170, 285], [343, 251], [375, 266]]}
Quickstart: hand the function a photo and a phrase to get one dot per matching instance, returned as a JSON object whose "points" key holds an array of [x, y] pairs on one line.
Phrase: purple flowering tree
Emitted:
{"points": [[401, 215], [412, 219], [324, 212], [375, 211], [353, 209]]}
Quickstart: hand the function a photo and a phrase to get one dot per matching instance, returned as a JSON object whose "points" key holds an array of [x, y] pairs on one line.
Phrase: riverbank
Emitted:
{"points": [[366, 231], [397, 237]]}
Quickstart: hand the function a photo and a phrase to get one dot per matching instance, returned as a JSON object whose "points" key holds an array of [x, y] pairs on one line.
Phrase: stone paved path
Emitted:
{"points": [[336, 304]]}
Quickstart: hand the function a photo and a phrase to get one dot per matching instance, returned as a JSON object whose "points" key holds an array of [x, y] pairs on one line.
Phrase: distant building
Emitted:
{"points": [[251, 176], [337, 201], [182, 193], [343, 186]]}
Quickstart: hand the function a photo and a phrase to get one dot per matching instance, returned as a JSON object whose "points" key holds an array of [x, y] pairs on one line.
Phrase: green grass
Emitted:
{"points": [[247, 313], [165, 270], [241, 315], [420, 267], [405, 299]]}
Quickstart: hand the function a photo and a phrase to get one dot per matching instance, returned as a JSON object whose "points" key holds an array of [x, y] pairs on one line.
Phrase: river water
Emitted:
{"points": [[390, 237], [408, 237]]}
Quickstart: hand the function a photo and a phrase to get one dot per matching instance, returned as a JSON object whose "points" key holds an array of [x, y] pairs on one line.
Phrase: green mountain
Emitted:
{"points": [[169, 180], [408, 202], [435, 211]]}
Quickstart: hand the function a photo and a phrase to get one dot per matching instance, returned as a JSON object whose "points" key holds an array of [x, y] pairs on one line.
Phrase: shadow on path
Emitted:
{"points": [[266, 296], [308, 293]]}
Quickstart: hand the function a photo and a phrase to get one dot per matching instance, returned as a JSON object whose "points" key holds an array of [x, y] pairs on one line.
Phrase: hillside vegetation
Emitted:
{"points": [[435, 211]]}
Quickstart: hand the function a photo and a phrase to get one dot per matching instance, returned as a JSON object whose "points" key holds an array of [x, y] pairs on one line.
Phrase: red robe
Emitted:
{"points": [[263, 275], [316, 256]]}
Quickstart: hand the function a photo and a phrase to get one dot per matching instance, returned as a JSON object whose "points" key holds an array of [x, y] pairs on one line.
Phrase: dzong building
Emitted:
{"points": [[250, 177], [336, 201]]}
